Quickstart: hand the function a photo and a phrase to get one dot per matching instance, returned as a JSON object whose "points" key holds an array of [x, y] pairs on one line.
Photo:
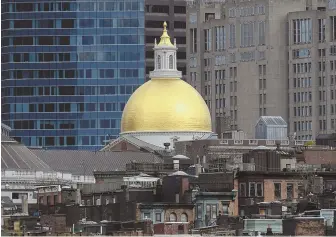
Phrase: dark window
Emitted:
{"points": [[180, 40], [157, 9], [66, 6], [181, 55], [252, 189], [68, 23], [24, 7], [290, 191], [66, 90], [104, 123], [151, 40], [179, 24], [49, 108], [71, 141], [150, 54], [180, 9], [49, 141], [64, 40], [45, 40], [277, 190], [15, 195], [242, 190], [23, 41], [23, 24], [155, 24]]}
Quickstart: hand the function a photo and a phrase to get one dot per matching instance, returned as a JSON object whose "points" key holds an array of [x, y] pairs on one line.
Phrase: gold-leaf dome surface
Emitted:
{"points": [[166, 105]]}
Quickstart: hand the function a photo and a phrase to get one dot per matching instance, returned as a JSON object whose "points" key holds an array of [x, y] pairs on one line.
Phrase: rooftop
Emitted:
{"points": [[273, 120], [86, 162], [17, 156]]}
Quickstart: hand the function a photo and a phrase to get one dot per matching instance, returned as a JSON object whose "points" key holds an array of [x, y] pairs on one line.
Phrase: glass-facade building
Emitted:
{"points": [[68, 68]]}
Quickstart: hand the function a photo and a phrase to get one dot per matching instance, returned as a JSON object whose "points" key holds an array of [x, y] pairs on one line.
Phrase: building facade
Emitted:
{"points": [[68, 69], [312, 65], [174, 13]]}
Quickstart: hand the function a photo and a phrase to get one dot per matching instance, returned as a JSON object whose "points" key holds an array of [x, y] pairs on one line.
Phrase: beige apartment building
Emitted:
{"points": [[241, 60]]}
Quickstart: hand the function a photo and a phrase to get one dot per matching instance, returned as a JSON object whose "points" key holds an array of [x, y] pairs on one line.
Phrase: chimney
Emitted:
{"points": [[126, 192], [78, 196], [166, 145], [24, 200]]}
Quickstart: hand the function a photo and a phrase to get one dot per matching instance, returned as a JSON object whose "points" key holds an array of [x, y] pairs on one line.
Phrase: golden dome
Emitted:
{"points": [[166, 105]]}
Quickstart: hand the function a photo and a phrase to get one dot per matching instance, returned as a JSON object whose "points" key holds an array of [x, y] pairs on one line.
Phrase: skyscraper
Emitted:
{"points": [[238, 59], [68, 68]]}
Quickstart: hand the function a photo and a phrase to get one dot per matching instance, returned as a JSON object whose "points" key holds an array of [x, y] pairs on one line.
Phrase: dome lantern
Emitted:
{"points": [[165, 57]]}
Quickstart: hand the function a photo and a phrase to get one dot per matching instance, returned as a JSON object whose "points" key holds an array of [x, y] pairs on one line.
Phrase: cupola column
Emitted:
{"points": [[165, 58]]}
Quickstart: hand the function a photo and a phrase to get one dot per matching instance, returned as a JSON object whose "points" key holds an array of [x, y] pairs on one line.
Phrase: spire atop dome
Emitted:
{"points": [[165, 38]]}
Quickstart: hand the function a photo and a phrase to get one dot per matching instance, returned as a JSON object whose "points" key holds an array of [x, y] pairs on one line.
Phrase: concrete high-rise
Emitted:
{"points": [[174, 13], [68, 69], [312, 70], [240, 57]]}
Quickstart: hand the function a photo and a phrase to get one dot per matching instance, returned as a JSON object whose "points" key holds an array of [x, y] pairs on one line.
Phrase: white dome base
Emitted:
{"points": [[159, 138]]}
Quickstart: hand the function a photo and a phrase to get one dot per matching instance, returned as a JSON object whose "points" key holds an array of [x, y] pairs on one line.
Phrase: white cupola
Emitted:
{"points": [[165, 58]]}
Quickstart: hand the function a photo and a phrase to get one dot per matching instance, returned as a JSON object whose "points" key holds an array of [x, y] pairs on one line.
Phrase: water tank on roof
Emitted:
{"points": [[271, 128]]}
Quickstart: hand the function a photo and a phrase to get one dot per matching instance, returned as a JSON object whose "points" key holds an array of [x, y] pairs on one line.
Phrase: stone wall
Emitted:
{"points": [[310, 228], [57, 222]]}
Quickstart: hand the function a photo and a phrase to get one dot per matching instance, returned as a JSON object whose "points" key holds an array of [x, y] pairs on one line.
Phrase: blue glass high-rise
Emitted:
{"points": [[68, 68]]}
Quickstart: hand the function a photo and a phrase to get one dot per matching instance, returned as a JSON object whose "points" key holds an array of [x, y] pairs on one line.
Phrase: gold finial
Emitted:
{"points": [[165, 39]]}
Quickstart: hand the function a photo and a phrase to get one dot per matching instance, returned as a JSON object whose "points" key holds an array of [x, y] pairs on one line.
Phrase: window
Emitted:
{"points": [[158, 217], [255, 189], [246, 34], [211, 211], [184, 217], [220, 38], [333, 28], [171, 63], [225, 209], [159, 62], [277, 190], [147, 215], [172, 217], [322, 28], [193, 38], [242, 190], [207, 40], [302, 31], [232, 36], [290, 191], [261, 30], [199, 211]]}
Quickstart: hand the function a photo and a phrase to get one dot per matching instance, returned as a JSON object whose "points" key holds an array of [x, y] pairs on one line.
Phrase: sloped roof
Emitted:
{"points": [[272, 121], [86, 162], [140, 144], [17, 156]]}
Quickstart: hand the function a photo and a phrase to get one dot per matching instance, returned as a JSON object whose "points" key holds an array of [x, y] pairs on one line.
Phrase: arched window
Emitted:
{"points": [[172, 217], [184, 217], [171, 62], [159, 62]]}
